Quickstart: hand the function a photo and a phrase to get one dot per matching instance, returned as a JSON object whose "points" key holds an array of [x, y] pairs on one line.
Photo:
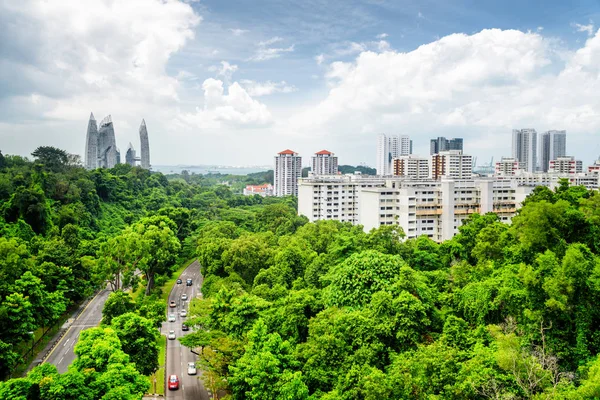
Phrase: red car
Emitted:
{"points": [[173, 382]]}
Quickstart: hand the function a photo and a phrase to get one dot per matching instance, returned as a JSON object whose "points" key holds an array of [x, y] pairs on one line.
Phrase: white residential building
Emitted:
{"points": [[452, 164], [553, 144], [524, 148], [508, 167], [261, 190], [411, 166], [288, 169], [324, 163], [565, 165], [435, 208], [594, 168], [388, 148]]}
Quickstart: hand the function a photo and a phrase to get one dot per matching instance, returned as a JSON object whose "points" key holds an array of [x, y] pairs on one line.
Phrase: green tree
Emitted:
{"points": [[117, 303], [138, 337], [52, 158]]}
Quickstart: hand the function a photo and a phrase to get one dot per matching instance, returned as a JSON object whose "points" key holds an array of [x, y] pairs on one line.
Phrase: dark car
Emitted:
{"points": [[173, 382], [184, 327], [188, 282], [179, 281], [172, 304]]}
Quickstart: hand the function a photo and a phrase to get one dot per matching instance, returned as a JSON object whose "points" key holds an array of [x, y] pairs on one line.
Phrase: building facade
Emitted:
{"points": [[388, 148], [411, 166], [435, 208], [91, 144], [288, 169], [145, 146], [565, 165], [107, 146], [452, 164], [507, 167], [442, 144], [261, 190], [553, 144], [524, 148], [324, 163]]}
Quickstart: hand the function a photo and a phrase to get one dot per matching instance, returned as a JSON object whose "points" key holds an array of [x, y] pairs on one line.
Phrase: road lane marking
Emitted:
{"points": [[52, 351], [62, 358], [66, 342]]}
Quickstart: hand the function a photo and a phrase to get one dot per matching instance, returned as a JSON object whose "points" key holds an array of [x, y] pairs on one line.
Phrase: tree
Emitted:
{"points": [[52, 158], [138, 338], [117, 303], [119, 257]]}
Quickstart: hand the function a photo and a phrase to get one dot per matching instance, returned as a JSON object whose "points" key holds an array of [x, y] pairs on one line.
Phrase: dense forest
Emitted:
{"points": [[291, 309]]}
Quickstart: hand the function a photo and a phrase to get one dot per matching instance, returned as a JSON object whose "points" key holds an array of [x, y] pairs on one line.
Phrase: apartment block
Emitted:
{"points": [[452, 164], [288, 169], [508, 167], [553, 145], [442, 144], [390, 147], [324, 163], [411, 166], [524, 148], [565, 165]]}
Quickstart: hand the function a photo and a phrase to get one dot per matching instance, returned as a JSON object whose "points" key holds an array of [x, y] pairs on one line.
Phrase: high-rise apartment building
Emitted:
{"points": [[324, 163], [451, 164], [553, 144], [565, 165], [145, 146], [442, 144], [411, 166], [101, 149], [91, 144], [507, 167], [388, 148], [524, 148], [288, 169]]}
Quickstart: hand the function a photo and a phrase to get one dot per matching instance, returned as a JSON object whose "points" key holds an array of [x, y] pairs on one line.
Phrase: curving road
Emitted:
{"points": [[63, 355], [178, 356]]}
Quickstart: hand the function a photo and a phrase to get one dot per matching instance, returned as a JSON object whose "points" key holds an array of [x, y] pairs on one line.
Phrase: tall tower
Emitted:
{"points": [[107, 146], [524, 148], [553, 145], [324, 163], [91, 144], [388, 148], [145, 146], [288, 169], [130, 155]]}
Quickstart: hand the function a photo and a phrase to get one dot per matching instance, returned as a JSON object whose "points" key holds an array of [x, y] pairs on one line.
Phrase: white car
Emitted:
{"points": [[171, 318], [171, 335], [183, 313], [184, 296], [191, 368]]}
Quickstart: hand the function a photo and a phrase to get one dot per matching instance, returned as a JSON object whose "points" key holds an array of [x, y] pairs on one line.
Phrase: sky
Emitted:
{"points": [[235, 82]]}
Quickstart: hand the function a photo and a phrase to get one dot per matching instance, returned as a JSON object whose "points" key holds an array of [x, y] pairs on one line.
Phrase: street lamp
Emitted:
{"points": [[32, 341]]}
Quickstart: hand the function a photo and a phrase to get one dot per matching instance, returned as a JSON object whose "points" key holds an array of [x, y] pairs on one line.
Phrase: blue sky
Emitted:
{"points": [[234, 82]]}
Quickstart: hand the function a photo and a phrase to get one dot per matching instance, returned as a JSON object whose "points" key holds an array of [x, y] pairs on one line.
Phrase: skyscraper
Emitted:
{"points": [[524, 148], [288, 169], [324, 163], [553, 145], [91, 144], [145, 146], [442, 144], [130, 155], [107, 146], [388, 148]]}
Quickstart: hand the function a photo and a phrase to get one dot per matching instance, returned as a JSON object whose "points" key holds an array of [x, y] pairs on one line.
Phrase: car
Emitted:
{"points": [[179, 281], [172, 304], [172, 318], [173, 382], [184, 327], [171, 335], [191, 368], [184, 296], [188, 282], [183, 313]]}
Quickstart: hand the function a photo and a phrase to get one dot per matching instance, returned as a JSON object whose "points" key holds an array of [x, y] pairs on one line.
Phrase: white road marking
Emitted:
{"points": [[62, 358], [66, 341]]}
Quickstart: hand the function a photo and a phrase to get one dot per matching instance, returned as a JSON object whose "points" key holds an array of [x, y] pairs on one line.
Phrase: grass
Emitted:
{"points": [[166, 288], [160, 372]]}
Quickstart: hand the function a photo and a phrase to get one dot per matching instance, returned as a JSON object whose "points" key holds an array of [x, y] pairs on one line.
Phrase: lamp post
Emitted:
{"points": [[32, 341]]}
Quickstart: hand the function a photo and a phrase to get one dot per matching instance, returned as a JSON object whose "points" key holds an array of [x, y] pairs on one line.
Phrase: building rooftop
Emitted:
{"points": [[324, 152], [288, 151]]}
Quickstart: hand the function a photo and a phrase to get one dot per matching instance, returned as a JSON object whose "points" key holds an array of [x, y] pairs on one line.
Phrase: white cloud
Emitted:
{"points": [[257, 89], [265, 52], [420, 15], [226, 70], [382, 36], [238, 32], [589, 29], [319, 59], [464, 85], [236, 108]]}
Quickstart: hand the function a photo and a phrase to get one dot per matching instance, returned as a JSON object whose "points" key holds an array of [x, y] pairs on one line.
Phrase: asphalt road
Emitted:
{"points": [[178, 356], [63, 353]]}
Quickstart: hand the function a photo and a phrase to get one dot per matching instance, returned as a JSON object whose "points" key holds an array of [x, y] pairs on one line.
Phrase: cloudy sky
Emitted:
{"points": [[234, 82]]}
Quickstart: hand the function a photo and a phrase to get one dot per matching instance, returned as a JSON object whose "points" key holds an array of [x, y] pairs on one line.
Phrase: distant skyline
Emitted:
{"points": [[233, 83]]}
